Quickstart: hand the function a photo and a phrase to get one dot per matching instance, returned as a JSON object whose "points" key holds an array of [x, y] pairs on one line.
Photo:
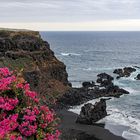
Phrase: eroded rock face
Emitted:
{"points": [[125, 72], [27, 50], [92, 113]]}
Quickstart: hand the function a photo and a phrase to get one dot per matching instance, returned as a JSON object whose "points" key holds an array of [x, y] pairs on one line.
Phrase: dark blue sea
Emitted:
{"points": [[87, 54]]}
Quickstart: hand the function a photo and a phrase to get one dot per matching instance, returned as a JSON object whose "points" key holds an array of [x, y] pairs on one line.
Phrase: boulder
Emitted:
{"points": [[138, 77], [118, 71], [88, 84], [92, 113], [125, 72], [104, 79], [129, 69]]}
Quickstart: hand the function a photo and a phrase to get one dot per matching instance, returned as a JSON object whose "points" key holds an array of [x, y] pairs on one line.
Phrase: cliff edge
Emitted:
{"points": [[23, 49]]}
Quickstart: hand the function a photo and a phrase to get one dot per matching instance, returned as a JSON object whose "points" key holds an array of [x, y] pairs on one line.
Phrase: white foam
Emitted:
{"points": [[130, 136], [70, 54], [131, 77], [87, 69], [119, 117], [132, 91]]}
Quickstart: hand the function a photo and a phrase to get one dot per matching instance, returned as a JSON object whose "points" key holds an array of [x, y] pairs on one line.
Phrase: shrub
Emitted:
{"points": [[21, 115]]}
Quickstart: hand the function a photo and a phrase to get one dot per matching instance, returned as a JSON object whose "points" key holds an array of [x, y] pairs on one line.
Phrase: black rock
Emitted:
{"points": [[88, 84], [129, 69], [77, 96], [125, 72], [118, 71], [138, 77], [104, 79], [92, 113]]}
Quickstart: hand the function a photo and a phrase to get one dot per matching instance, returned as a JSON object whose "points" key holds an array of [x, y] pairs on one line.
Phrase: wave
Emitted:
{"points": [[87, 69], [132, 91], [130, 136], [132, 77], [119, 117], [70, 54]]}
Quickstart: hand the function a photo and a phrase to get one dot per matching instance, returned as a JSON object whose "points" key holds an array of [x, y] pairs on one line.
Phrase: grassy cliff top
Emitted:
{"points": [[4, 32], [10, 29]]}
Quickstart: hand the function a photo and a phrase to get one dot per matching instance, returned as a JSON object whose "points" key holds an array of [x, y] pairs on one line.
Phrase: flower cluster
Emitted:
{"points": [[8, 103], [21, 115]]}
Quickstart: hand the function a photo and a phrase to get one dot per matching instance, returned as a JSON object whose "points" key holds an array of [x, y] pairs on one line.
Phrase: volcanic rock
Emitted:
{"points": [[125, 72], [23, 49], [104, 79], [92, 113]]}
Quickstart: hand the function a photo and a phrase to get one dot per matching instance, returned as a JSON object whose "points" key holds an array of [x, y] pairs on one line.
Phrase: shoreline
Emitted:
{"points": [[71, 130]]}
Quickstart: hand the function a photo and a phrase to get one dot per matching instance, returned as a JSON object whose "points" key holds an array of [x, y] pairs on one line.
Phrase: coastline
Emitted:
{"points": [[72, 130]]}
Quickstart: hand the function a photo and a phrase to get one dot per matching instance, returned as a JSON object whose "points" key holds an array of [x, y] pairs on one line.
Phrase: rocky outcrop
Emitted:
{"points": [[138, 77], [125, 72], [77, 96], [88, 84], [104, 79], [26, 50], [92, 113], [91, 90]]}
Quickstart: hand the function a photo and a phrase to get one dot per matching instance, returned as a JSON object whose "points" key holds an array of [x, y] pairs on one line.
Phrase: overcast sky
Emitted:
{"points": [[71, 14]]}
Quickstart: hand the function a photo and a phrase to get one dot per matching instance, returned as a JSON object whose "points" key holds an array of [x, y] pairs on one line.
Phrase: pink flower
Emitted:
{"points": [[8, 124], [5, 72], [16, 97], [36, 110], [20, 85], [5, 82], [31, 94], [8, 103], [30, 118], [27, 129], [2, 133], [26, 87], [15, 137]]}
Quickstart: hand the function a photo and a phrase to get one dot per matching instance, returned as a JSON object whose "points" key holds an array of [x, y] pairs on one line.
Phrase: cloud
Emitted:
{"points": [[67, 10]]}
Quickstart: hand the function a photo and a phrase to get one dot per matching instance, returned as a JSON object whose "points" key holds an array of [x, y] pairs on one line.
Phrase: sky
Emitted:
{"points": [[87, 15]]}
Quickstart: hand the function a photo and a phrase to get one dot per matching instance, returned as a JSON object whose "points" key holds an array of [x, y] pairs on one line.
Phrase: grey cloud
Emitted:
{"points": [[67, 10]]}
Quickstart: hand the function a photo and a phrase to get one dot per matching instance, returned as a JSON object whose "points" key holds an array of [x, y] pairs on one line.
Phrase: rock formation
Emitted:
{"points": [[125, 72], [104, 79], [92, 113], [138, 77], [87, 84]]}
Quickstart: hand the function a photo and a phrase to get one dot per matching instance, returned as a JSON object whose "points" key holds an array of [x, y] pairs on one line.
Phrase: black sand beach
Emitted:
{"points": [[74, 131]]}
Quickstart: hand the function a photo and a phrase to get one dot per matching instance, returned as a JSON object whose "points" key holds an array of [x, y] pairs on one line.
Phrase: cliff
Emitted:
{"points": [[22, 49]]}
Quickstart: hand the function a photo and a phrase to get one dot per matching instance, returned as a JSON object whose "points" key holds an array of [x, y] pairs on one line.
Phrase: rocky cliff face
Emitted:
{"points": [[26, 49]]}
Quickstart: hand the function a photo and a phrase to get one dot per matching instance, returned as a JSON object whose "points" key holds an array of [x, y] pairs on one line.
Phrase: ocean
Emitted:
{"points": [[87, 54]]}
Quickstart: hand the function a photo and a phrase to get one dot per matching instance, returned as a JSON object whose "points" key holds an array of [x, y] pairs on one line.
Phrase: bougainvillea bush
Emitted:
{"points": [[21, 115]]}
